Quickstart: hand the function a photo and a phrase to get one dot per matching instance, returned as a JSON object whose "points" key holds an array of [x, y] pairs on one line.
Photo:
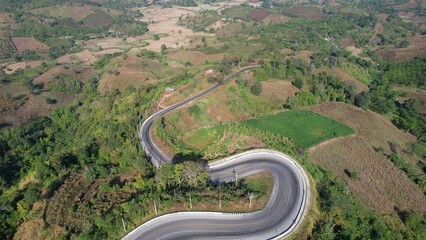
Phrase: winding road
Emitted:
{"points": [[282, 215]]}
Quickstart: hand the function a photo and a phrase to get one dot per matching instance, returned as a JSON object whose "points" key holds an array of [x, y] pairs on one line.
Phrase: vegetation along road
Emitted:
{"points": [[281, 216]]}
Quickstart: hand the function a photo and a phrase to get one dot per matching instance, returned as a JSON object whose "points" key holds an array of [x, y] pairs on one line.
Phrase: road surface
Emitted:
{"points": [[283, 213]]}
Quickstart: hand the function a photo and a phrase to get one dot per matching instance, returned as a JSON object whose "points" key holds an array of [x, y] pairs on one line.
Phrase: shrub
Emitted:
{"points": [[256, 89]]}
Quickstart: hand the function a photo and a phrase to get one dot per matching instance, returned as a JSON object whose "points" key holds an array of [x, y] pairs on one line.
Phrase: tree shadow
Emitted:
{"points": [[189, 157]]}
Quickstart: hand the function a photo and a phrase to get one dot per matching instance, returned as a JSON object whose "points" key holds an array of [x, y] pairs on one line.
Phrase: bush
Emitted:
{"points": [[51, 101], [256, 89], [362, 100], [298, 83], [302, 98]]}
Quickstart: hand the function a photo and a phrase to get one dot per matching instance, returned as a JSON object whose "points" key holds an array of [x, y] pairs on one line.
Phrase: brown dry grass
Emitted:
{"points": [[165, 21], [130, 74], [194, 57], [33, 108], [312, 12], [304, 55], [11, 68], [78, 72], [85, 57], [74, 11], [276, 18], [259, 14], [380, 185], [416, 48], [28, 44], [278, 91]]}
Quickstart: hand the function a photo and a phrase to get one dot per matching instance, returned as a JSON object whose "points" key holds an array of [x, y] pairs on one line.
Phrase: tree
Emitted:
{"points": [[156, 37], [302, 98], [298, 83], [256, 89], [163, 49], [362, 100], [382, 96], [409, 118]]}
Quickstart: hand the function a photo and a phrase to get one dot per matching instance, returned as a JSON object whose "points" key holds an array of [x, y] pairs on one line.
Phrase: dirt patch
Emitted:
{"points": [[380, 185], [129, 74], [312, 12], [278, 91], [28, 44], [32, 108], [258, 15], [99, 19], [101, 53], [74, 11], [11, 68], [416, 48], [85, 57], [78, 72], [107, 43], [354, 50], [217, 25], [165, 21], [304, 55], [194, 57], [346, 42], [276, 18]]}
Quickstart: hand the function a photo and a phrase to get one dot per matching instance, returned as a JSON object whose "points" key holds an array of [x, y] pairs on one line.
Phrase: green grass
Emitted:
{"points": [[356, 72], [304, 128], [204, 137]]}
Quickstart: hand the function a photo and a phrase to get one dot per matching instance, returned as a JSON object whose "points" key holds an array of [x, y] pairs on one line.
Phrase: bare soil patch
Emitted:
{"points": [[312, 12], [78, 72], [28, 44], [304, 55], [416, 48], [276, 18], [32, 108], [278, 91], [99, 19], [380, 185], [129, 74], [194, 57], [258, 15], [11, 68], [85, 57], [165, 21], [346, 42], [74, 11], [107, 43]]}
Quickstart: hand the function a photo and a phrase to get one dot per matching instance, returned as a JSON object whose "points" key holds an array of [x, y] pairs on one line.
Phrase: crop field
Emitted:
{"points": [[28, 44], [305, 128]]}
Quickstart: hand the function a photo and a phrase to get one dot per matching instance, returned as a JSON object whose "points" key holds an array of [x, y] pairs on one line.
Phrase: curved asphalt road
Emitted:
{"points": [[281, 216]]}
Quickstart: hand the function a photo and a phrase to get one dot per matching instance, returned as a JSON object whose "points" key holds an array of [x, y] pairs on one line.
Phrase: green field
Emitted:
{"points": [[205, 136], [304, 128]]}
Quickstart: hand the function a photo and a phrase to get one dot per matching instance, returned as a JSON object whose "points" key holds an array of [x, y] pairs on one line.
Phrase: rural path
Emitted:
{"points": [[282, 215]]}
